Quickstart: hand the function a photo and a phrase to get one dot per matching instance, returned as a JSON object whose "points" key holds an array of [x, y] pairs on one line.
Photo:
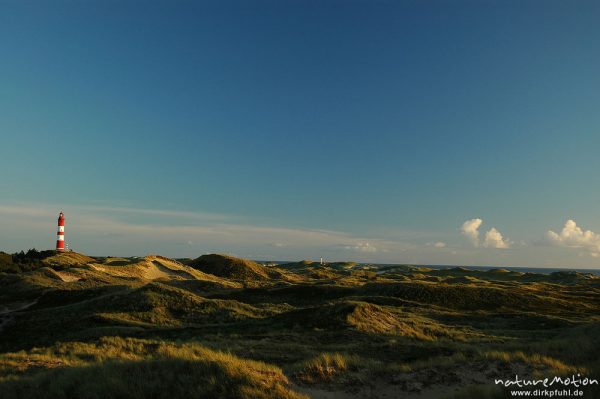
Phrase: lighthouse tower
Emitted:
{"points": [[60, 235]]}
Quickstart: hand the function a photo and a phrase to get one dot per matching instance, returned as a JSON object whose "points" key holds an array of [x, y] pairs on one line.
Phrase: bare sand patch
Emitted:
{"points": [[67, 277]]}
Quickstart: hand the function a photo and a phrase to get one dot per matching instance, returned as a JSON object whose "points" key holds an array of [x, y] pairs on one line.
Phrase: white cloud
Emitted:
{"points": [[573, 236], [362, 247], [99, 230], [45, 211], [470, 228], [205, 216], [437, 244], [492, 239]]}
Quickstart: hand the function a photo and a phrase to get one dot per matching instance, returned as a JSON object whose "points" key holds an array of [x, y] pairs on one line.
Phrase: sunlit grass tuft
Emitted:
{"points": [[131, 368]]}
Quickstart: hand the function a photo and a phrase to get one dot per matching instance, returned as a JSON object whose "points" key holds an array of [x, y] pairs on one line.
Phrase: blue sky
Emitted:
{"points": [[298, 129]]}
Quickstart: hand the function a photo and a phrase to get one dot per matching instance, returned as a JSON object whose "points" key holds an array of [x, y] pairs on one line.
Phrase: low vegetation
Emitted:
{"points": [[130, 368], [73, 326], [230, 267]]}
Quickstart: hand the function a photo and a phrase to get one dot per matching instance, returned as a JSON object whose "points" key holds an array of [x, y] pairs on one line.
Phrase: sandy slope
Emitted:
{"points": [[151, 267], [67, 277]]}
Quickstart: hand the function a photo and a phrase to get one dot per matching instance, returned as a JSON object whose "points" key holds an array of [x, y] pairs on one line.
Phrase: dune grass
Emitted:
{"points": [[129, 368], [327, 366], [255, 330]]}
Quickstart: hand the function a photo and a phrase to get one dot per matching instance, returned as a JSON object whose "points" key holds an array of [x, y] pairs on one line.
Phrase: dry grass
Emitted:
{"points": [[342, 331], [326, 367], [129, 368], [535, 359]]}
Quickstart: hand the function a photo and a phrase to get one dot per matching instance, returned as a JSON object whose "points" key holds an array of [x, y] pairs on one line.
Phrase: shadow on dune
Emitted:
{"points": [[156, 378]]}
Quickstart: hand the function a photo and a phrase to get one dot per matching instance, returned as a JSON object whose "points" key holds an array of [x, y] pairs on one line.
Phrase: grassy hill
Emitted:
{"points": [[130, 368], [67, 259], [232, 268], [219, 326]]}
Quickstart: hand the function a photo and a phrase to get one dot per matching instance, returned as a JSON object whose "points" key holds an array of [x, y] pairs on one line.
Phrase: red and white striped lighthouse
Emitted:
{"points": [[60, 235]]}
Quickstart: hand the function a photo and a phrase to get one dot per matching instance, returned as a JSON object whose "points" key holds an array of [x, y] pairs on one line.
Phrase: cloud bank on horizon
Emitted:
{"points": [[121, 230], [126, 231]]}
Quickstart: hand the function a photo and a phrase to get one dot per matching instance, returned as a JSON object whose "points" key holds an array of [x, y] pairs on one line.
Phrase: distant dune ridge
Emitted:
{"points": [[230, 267], [296, 330], [68, 258]]}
